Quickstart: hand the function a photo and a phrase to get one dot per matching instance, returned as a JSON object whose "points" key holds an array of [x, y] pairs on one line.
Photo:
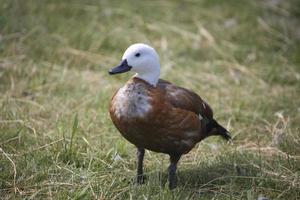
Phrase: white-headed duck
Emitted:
{"points": [[154, 114]]}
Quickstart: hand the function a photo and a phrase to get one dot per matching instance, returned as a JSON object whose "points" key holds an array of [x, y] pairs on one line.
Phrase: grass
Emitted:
{"points": [[57, 140]]}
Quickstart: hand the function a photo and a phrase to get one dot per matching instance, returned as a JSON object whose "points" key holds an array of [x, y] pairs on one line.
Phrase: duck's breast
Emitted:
{"points": [[131, 101]]}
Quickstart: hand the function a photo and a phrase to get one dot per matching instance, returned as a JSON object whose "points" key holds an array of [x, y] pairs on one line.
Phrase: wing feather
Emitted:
{"points": [[185, 99]]}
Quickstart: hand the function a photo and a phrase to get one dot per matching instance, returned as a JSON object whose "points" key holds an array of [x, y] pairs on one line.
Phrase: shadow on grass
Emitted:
{"points": [[219, 171], [220, 177], [236, 175]]}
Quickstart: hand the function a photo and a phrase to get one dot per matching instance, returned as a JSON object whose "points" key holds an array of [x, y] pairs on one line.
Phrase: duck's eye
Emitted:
{"points": [[137, 55]]}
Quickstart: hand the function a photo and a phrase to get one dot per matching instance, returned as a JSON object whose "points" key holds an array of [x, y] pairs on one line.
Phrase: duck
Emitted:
{"points": [[154, 114]]}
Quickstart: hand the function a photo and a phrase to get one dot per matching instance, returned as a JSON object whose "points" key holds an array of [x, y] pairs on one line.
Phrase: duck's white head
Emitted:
{"points": [[143, 60]]}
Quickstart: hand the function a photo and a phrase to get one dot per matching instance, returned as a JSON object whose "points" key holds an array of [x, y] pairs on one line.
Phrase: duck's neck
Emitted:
{"points": [[150, 77]]}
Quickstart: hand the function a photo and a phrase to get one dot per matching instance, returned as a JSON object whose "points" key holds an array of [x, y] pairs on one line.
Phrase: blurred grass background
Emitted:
{"points": [[56, 138]]}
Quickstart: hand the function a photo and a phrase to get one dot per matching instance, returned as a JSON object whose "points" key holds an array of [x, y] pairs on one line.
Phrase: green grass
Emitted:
{"points": [[56, 137]]}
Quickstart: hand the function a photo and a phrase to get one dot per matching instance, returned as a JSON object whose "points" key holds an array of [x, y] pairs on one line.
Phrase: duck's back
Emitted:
{"points": [[162, 119], [185, 99]]}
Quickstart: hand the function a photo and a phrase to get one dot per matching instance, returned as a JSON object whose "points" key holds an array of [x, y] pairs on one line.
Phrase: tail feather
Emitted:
{"points": [[214, 128]]}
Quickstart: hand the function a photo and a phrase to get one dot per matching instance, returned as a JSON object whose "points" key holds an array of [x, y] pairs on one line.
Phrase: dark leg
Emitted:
{"points": [[140, 157], [172, 171]]}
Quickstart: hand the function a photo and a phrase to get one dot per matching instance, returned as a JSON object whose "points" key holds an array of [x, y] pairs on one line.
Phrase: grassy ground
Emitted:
{"points": [[56, 138]]}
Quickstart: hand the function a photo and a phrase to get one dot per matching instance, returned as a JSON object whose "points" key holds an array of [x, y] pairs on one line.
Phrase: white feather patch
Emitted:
{"points": [[131, 102], [200, 116]]}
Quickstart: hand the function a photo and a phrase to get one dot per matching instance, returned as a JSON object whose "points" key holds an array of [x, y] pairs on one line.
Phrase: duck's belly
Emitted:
{"points": [[158, 139], [153, 135]]}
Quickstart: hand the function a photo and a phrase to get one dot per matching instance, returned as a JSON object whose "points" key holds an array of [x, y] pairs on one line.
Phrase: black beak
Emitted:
{"points": [[121, 68]]}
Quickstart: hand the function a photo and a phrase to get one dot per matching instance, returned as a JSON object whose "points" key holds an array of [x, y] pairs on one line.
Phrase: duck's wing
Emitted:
{"points": [[185, 99]]}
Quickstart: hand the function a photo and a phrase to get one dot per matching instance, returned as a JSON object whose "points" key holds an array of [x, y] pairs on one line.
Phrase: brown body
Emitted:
{"points": [[165, 118], [153, 114]]}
